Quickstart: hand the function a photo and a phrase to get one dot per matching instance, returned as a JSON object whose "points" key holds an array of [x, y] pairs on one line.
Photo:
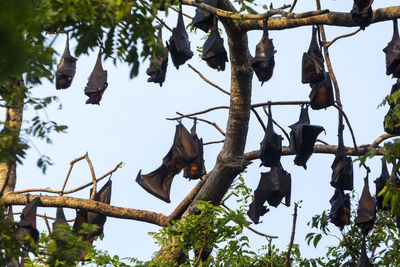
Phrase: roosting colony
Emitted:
{"points": [[186, 152]]}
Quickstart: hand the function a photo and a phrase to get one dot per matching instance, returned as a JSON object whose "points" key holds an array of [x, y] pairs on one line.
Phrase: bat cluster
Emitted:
{"points": [[185, 154]]}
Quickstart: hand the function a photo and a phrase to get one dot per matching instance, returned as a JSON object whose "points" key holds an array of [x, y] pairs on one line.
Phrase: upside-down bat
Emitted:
{"points": [[158, 66], [273, 187], [196, 169], [203, 19], [271, 145], [312, 65], [321, 95], [183, 152], [303, 137], [27, 223], [362, 12], [103, 196], [392, 51], [364, 260], [214, 52], [342, 167], [179, 45], [65, 69], [97, 83], [263, 63], [366, 210], [80, 219], [340, 210], [60, 218], [390, 122], [380, 183]]}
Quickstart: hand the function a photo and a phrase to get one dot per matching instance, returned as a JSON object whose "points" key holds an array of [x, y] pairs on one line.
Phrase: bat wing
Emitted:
{"points": [[179, 45], [158, 183], [362, 16], [342, 168], [366, 209], [81, 218], [60, 218], [65, 69], [158, 66], [197, 169], [97, 83], [321, 95], [28, 219], [256, 208], [276, 185], [271, 145], [214, 51], [312, 61], [308, 137], [392, 51], [10, 216], [380, 183], [340, 210], [104, 196], [203, 19]]}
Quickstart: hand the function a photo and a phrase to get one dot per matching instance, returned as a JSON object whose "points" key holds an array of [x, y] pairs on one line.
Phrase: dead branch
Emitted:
{"points": [[198, 113], [93, 176], [206, 121], [292, 7], [328, 44], [177, 11], [259, 119], [69, 172], [208, 81], [47, 223], [43, 216], [280, 127], [287, 263], [213, 142]]}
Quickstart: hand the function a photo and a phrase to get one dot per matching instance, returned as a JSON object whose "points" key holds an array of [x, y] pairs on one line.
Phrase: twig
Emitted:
{"points": [[340, 37], [287, 263], [69, 172], [380, 139], [157, 18], [259, 119], [323, 142], [47, 223], [280, 127], [208, 81], [206, 121], [69, 191], [93, 176], [281, 103], [43, 216], [213, 142], [292, 7], [197, 113], [176, 10], [227, 197]]}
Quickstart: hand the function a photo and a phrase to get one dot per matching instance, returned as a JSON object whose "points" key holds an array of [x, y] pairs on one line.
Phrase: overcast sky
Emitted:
{"points": [[130, 126]]}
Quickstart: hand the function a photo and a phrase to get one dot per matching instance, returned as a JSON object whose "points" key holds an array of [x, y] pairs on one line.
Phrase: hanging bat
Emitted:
{"points": [[366, 209], [263, 63], [81, 218], [27, 223], [271, 145], [103, 196], [66, 68], [340, 210], [303, 137], [196, 169], [158, 66], [390, 122], [392, 51], [204, 20], [321, 95], [97, 83], [342, 167], [179, 45], [273, 187], [10, 216], [380, 183], [362, 12], [183, 152], [312, 65], [60, 218], [214, 51]]}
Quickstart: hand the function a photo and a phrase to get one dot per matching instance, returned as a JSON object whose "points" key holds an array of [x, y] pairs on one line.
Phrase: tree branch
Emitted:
{"points": [[197, 113], [287, 263], [206, 121], [208, 81]]}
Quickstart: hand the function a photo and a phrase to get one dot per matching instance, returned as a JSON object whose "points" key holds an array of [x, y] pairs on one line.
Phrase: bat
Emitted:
{"points": [[196, 169], [204, 20], [97, 83], [392, 51], [380, 183], [390, 122], [81, 218], [362, 12], [273, 187], [271, 145], [340, 210], [366, 209], [184, 151], [60, 218], [66, 68], [10, 216], [27, 223], [103, 196], [312, 64], [214, 51], [158, 66], [179, 45], [263, 63], [321, 95], [342, 167], [303, 137], [364, 260]]}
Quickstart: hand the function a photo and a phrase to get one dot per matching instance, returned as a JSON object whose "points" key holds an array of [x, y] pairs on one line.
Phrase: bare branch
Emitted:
{"points": [[292, 7], [287, 263], [340, 37], [323, 142], [380, 139], [198, 113], [208, 81], [280, 127], [177, 11], [259, 119], [93, 176], [87, 204], [69, 172], [43, 216], [206, 121], [47, 223], [213, 142]]}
